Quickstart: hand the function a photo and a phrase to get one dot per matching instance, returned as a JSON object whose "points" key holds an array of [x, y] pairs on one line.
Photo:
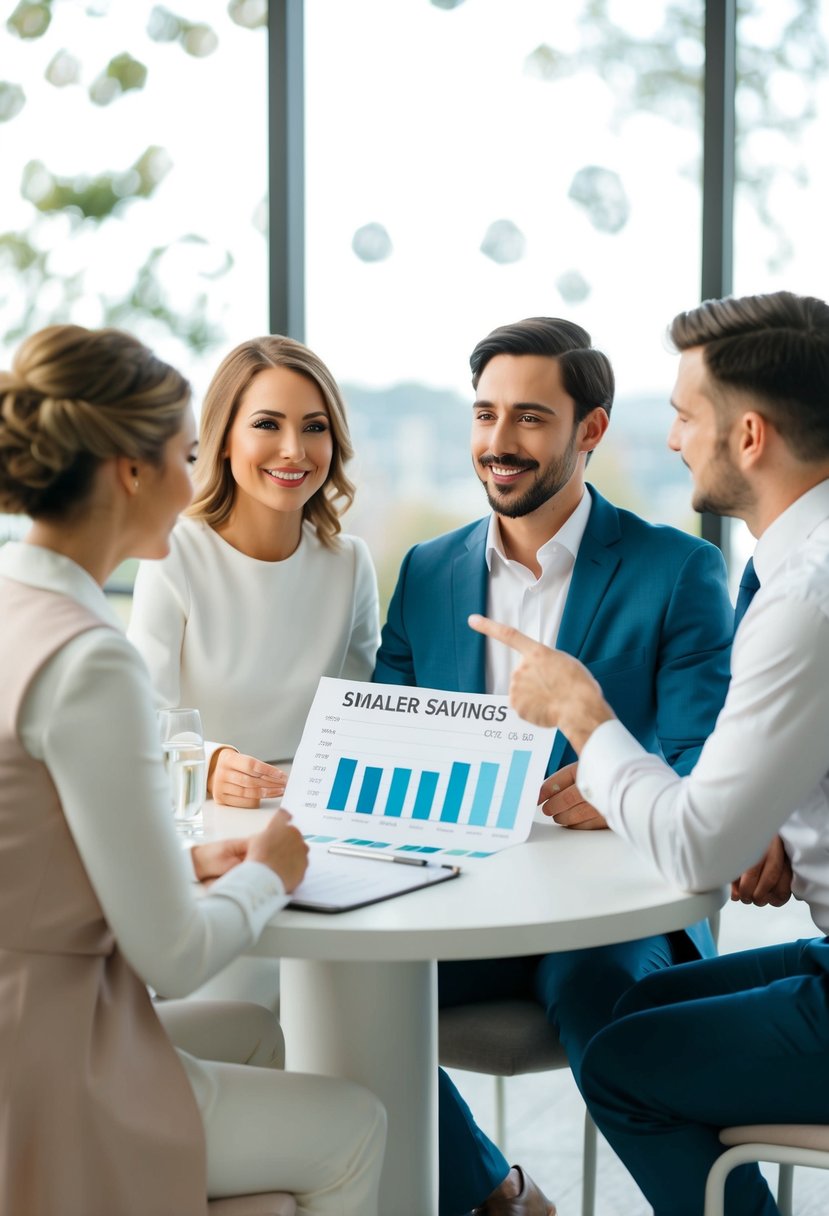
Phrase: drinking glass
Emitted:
{"points": [[182, 744]]}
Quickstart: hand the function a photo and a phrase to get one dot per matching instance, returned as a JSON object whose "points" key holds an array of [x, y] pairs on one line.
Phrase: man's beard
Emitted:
{"points": [[729, 492], [545, 486]]}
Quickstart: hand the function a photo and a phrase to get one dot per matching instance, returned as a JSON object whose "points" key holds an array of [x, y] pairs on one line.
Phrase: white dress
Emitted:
{"points": [[246, 641]]}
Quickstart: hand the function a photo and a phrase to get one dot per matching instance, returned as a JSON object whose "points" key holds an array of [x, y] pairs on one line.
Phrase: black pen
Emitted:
{"points": [[345, 850]]}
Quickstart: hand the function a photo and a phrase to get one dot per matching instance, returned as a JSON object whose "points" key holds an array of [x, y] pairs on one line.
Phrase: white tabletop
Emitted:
{"points": [[561, 890], [359, 989]]}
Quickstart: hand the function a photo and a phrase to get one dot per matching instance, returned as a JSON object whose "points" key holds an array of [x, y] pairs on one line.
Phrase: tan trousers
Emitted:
{"points": [[319, 1138], [245, 979]]}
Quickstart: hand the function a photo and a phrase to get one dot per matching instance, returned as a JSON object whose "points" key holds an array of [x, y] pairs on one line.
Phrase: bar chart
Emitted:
{"points": [[463, 780], [428, 770]]}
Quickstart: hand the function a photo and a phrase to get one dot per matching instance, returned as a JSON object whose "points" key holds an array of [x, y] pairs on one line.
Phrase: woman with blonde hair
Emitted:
{"points": [[262, 594], [98, 1113]]}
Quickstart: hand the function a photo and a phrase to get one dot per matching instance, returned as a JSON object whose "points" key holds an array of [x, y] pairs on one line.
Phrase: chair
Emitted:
{"points": [[507, 1039], [270, 1204], [788, 1144]]}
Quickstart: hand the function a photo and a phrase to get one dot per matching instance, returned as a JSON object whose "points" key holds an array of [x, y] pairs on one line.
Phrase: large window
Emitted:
{"points": [[465, 164], [782, 184], [134, 172], [134, 176], [468, 166]]}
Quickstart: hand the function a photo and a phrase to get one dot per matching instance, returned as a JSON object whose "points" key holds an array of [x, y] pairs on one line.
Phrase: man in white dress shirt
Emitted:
{"points": [[744, 1038], [645, 607]]}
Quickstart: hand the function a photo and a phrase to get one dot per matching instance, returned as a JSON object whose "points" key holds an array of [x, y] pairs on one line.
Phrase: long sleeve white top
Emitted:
{"points": [[89, 717], [764, 769], [245, 641]]}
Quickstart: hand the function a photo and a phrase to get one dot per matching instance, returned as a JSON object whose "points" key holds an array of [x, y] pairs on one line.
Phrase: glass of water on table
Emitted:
{"points": [[182, 745]]}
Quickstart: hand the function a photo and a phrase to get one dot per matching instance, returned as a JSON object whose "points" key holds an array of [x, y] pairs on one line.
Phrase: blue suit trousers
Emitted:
{"points": [[726, 1041], [578, 989]]}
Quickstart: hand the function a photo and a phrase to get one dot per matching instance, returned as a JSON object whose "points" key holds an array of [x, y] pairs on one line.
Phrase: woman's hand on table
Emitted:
{"points": [[215, 857], [243, 781], [562, 800], [281, 847]]}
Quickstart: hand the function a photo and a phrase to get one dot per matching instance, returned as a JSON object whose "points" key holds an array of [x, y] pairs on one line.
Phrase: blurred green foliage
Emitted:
{"points": [[41, 295], [250, 14], [12, 100], [196, 38], [661, 72], [121, 75], [193, 327], [30, 20], [664, 74], [63, 69], [98, 197]]}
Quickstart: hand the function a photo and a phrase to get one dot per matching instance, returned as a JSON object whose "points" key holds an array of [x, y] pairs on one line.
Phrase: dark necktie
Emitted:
{"points": [[749, 585]]}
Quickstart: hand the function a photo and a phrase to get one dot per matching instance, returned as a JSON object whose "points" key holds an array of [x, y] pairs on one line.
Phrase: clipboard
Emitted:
{"points": [[342, 882]]}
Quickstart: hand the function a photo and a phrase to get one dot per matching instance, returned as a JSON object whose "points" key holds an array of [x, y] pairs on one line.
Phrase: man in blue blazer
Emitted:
{"points": [[645, 608]]}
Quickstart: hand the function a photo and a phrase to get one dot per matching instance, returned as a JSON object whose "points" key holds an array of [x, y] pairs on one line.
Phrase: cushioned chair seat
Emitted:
{"points": [[508, 1039], [271, 1204], [500, 1038]]}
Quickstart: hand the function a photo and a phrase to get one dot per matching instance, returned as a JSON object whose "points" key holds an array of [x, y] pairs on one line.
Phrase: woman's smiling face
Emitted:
{"points": [[279, 445]]}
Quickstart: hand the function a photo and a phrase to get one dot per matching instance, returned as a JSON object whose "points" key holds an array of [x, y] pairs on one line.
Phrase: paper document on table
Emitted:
{"points": [[420, 770], [339, 883]]}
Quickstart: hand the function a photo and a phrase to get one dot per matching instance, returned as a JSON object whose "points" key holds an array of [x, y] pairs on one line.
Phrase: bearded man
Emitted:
{"points": [[644, 607]]}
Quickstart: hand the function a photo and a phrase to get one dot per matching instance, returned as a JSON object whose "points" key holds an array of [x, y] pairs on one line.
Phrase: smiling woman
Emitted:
{"points": [[262, 594]]}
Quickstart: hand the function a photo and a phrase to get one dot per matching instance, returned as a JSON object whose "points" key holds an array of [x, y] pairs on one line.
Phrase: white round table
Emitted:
{"points": [[359, 992]]}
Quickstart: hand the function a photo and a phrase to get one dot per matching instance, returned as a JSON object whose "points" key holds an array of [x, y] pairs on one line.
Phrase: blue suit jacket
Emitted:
{"points": [[647, 612]]}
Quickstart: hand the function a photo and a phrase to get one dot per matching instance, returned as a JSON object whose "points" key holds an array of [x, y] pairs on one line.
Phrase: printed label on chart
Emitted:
{"points": [[417, 769]]}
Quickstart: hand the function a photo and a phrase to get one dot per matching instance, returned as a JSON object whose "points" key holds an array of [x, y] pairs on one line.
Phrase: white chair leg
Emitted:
{"points": [[785, 1183], [501, 1115], [715, 1185], [588, 1170]]}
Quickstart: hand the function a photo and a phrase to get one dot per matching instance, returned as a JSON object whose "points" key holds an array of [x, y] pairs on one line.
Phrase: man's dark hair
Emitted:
{"points": [[586, 373], [775, 347]]}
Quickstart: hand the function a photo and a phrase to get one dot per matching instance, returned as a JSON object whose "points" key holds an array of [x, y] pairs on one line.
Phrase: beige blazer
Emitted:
{"points": [[97, 1117]]}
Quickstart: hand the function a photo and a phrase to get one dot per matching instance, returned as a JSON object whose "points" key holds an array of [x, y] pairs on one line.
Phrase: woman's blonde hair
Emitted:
{"points": [[74, 398], [215, 489]]}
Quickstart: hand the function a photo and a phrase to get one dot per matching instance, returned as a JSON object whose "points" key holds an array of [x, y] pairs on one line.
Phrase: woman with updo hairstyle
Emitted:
{"points": [[262, 593], [100, 1115]]}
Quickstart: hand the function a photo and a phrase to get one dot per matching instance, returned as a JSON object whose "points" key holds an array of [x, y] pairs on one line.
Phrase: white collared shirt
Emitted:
{"points": [[765, 769], [517, 597]]}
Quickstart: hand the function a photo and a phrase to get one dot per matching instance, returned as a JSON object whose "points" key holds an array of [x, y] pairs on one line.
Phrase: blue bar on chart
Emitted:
{"points": [[342, 784], [397, 791], [454, 793], [425, 793], [368, 790], [482, 798], [512, 790]]}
